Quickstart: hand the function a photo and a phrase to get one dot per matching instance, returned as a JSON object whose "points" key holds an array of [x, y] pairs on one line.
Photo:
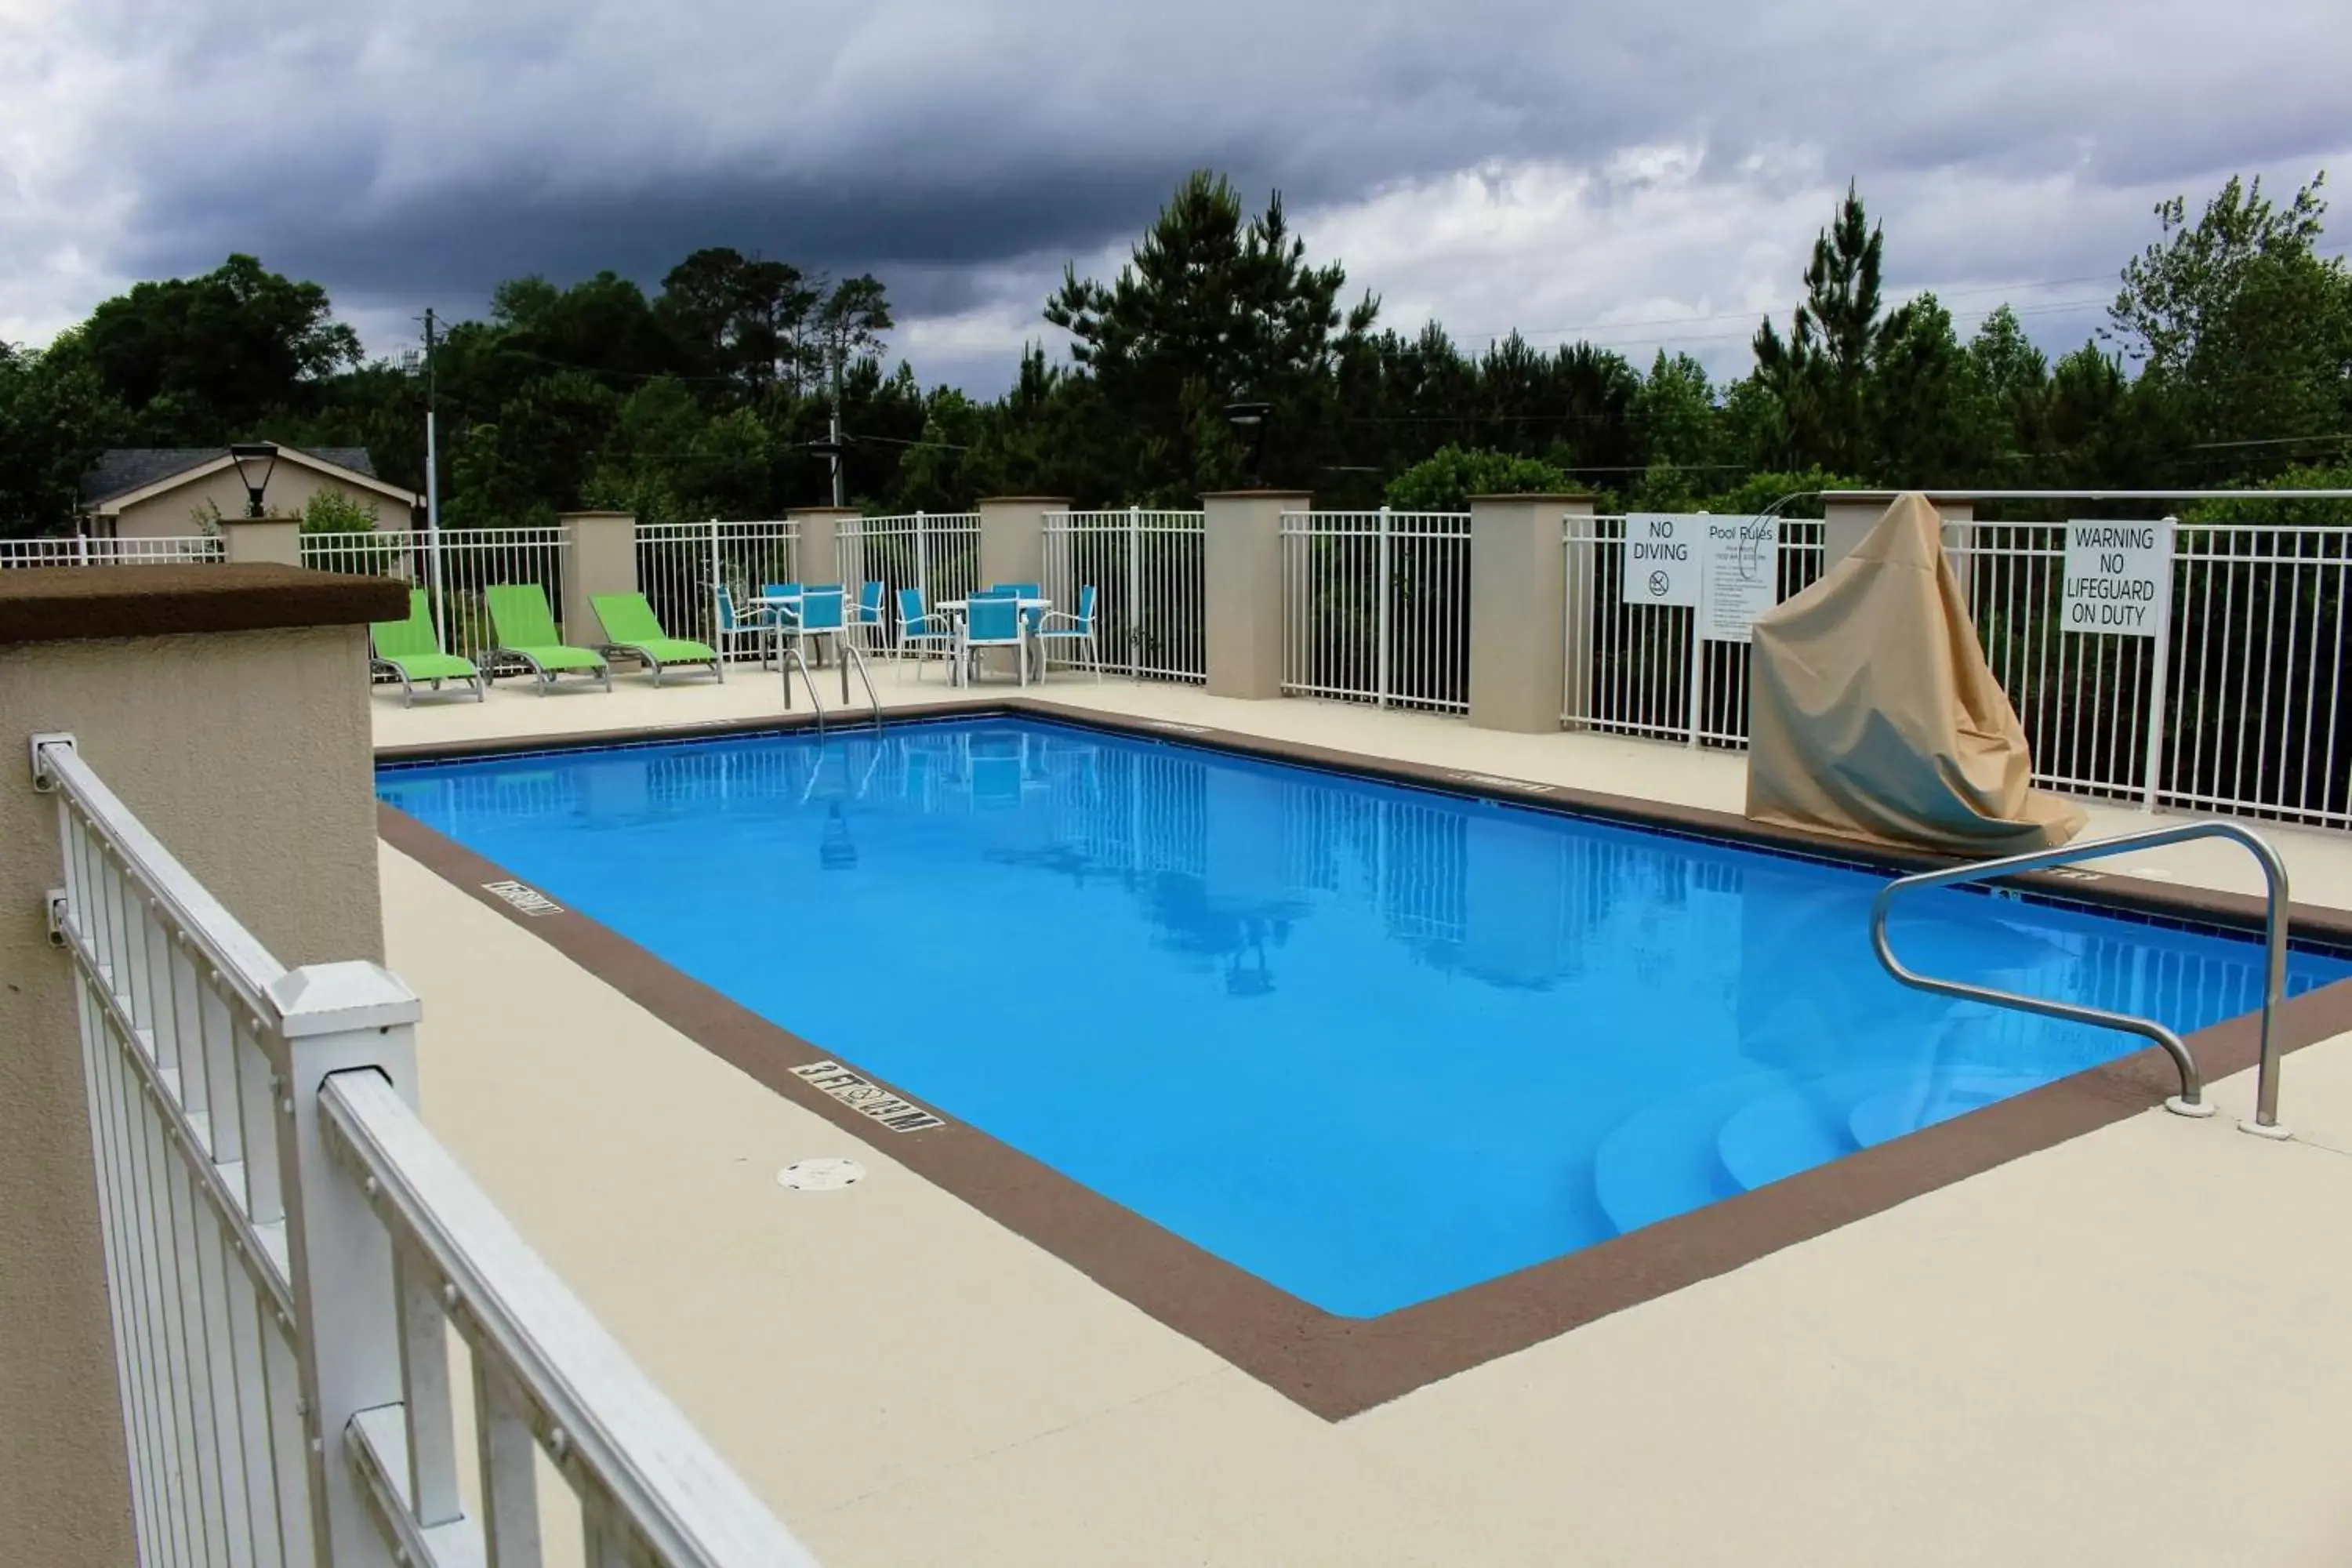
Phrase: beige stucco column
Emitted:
{"points": [[1520, 610], [1241, 573], [816, 545], [603, 559], [1848, 515], [1013, 537], [241, 737], [262, 541]]}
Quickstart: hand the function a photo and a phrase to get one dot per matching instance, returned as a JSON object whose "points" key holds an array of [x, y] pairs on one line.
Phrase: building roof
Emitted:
{"points": [[119, 471]]}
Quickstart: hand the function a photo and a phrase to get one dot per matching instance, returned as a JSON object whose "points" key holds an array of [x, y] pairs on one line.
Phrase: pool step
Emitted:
{"points": [[1662, 1161], [1790, 1130], [1936, 1096]]}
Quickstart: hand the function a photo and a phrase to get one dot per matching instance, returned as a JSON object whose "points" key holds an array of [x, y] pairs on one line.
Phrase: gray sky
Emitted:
{"points": [[1639, 176]]}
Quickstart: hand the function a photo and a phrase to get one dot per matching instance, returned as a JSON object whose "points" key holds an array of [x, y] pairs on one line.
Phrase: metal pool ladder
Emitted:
{"points": [[849, 656], [2190, 1100]]}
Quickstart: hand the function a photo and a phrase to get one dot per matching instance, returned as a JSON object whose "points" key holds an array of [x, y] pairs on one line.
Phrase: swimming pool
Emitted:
{"points": [[1368, 1043]]}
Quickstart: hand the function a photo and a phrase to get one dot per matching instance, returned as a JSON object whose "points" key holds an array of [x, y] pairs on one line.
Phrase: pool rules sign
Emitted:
{"points": [[2119, 577]]}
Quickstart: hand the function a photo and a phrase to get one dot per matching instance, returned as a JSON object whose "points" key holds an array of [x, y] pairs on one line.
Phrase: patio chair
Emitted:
{"points": [[993, 620], [735, 626], [918, 629], [866, 618], [410, 650], [1030, 616], [524, 631], [1080, 634], [631, 627], [778, 615]]}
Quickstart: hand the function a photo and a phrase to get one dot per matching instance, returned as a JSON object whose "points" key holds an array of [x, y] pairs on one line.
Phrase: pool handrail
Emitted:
{"points": [[2190, 1100]]}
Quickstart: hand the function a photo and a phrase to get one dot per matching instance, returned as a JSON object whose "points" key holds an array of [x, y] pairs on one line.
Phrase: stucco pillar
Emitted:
{"points": [[227, 706], [603, 559], [262, 541], [1241, 573], [1520, 610], [1848, 515], [1013, 537], [816, 545]]}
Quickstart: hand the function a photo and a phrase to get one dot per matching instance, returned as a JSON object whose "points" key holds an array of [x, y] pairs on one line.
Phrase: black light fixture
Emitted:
{"points": [[1250, 419], [254, 459]]}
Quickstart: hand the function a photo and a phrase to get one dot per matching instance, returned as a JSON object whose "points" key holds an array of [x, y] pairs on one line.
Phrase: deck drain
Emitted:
{"points": [[826, 1176]]}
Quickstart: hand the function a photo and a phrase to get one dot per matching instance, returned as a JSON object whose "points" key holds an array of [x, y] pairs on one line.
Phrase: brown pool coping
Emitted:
{"points": [[1336, 1366]]}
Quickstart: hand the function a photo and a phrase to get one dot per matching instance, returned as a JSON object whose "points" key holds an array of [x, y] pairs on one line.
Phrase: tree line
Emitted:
{"points": [[2226, 357]]}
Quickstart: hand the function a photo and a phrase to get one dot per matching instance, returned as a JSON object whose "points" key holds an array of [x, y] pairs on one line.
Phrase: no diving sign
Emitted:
{"points": [[2117, 577]]}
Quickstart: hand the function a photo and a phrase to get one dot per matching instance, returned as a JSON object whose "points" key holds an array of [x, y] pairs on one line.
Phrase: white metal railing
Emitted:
{"points": [[465, 560], [937, 554], [678, 563], [1376, 607], [289, 1249], [1145, 567], [182, 550]]}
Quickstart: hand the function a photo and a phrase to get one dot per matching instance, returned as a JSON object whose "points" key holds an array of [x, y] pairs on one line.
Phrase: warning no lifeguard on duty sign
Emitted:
{"points": [[2119, 577]]}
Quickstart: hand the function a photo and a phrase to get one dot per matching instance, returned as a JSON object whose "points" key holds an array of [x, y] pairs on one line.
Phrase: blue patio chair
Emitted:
{"points": [[993, 620], [736, 624], [778, 615], [918, 630], [866, 617], [1031, 618], [1078, 636]]}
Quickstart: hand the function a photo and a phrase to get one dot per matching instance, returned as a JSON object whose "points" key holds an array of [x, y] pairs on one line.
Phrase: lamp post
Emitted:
{"points": [[1251, 419], [252, 458]]}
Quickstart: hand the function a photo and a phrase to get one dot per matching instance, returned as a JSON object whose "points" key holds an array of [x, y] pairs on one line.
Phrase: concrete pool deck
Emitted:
{"points": [[2121, 1348]]}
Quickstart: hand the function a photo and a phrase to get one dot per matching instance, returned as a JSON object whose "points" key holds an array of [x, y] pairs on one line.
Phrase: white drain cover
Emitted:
{"points": [[824, 1175]]}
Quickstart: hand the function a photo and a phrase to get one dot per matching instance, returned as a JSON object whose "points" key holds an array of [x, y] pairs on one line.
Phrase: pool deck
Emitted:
{"points": [[2127, 1348]]}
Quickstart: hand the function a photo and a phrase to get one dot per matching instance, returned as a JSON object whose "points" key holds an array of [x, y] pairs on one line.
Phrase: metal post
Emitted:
{"points": [[922, 577], [433, 495], [1697, 673], [2160, 672], [339, 1017], [1380, 613], [717, 573], [1134, 591]]}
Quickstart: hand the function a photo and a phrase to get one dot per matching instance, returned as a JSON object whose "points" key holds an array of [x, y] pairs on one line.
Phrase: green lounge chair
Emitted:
{"points": [[410, 650], [526, 634], [631, 628]]}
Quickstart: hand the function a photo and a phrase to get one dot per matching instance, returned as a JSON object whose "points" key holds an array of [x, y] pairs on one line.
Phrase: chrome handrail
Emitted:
{"points": [[2189, 1102], [850, 655], [787, 650]]}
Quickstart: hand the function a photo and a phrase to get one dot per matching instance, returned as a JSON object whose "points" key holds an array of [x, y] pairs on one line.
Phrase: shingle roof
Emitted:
{"points": [[127, 468]]}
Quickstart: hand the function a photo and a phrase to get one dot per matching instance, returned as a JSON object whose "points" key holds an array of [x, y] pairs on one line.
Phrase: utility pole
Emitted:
{"points": [[835, 435], [433, 492]]}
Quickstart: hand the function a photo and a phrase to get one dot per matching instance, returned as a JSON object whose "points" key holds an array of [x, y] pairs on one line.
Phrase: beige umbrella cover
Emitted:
{"points": [[1872, 714]]}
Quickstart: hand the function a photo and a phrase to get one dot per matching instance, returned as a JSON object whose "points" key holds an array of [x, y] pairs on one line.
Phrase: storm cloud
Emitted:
{"points": [[1642, 175]]}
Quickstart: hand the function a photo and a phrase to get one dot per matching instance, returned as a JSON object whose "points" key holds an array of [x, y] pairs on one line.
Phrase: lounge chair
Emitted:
{"points": [[525, 632], [410, 650], [631, 628]]}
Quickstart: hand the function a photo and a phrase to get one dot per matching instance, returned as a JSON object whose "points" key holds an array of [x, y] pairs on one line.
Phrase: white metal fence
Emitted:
{"points": [[1376, 607], [679, 564], [1145, 568], [937, 554], [183, 550], [1640, 668], [288, 1252], [470, 559], [2250, 715]]}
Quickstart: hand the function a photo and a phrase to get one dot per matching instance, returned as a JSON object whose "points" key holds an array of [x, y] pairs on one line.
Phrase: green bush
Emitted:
{"points": [[1449, 477]]}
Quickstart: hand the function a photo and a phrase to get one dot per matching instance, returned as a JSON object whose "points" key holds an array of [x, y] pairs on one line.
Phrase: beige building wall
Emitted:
{"points": [[1241, 572], [173, 513], [250, 754]]}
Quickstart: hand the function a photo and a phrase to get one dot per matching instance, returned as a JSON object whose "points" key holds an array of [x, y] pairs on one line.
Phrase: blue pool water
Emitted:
{"points": [[1368, 1043]]}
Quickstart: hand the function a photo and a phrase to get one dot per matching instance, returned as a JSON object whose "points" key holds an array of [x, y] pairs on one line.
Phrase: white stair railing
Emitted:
{"points": [[287, 1247]]}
